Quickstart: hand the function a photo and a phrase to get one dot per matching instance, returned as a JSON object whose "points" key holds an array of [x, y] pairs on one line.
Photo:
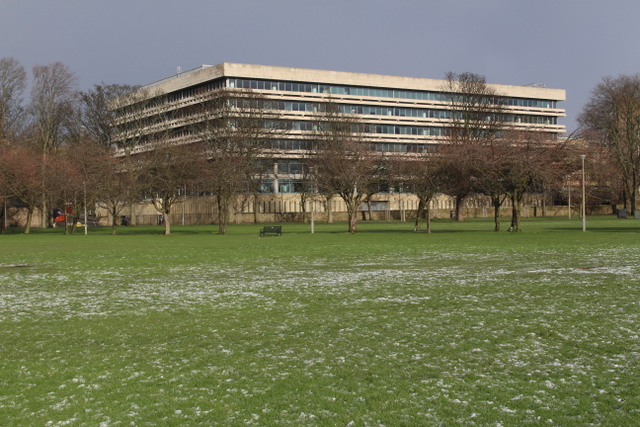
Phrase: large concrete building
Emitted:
{"points": [[400, 114]]}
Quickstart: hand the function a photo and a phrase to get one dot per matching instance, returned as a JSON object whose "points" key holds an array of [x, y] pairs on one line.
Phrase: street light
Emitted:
{"points": [[569, 187], [313, 214], [84, 185], [584, 218]]}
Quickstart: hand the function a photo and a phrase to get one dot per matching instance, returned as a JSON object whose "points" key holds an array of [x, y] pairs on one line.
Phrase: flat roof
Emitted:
{"points": [[206, 73]]}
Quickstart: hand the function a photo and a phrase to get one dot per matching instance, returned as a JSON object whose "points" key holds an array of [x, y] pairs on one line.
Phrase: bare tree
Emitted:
{"points": [[307, 189], [343, 161], [63, 187], [139, 119], [113, 187], [612, 118], [234, 126], [491, 164], [605, 181], [4, 183], [51, 108], [424, 175], [459, 178], [13, 81], [382, 182], [22, 174], [98, 117], [53, 100], [97, 176], [478, 117], [112, 181], [477, 110], [167, 170], [529, 158], [262, 168]]}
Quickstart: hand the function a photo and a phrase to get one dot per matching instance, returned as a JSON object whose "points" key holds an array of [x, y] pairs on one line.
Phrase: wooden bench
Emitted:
{"points": [[271, 229]]}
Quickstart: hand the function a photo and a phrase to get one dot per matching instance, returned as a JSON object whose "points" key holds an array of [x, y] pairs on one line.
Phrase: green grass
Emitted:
{"points": [[386, 327]]}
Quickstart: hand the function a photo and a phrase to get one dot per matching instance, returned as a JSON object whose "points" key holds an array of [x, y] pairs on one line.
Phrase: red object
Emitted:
{"points": [[69, 208], [60, 218]]}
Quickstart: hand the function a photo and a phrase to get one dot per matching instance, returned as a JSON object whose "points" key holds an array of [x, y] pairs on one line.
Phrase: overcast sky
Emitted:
{"points": [[567, 44]]}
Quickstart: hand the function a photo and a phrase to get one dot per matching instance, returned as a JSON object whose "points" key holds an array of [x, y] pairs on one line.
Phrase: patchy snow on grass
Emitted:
{"points": [[420, 339]]}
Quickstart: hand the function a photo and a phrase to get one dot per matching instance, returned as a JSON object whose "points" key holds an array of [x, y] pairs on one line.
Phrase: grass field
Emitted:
{"points": [[386, 327]]}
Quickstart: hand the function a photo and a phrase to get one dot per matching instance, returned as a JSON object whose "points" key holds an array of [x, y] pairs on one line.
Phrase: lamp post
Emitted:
{"points": [[569, 202], [584, 218], [313, 215], [84, 185]]}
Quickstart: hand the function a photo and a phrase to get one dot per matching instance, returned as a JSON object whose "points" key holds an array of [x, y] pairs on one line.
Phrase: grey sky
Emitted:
{"points": [[564, 44]]}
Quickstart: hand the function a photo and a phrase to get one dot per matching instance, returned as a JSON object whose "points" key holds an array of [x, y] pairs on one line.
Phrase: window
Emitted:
{"points": [[266, 186], [288, 186]]}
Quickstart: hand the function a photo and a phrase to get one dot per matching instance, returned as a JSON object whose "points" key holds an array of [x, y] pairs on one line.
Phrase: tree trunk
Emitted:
{"points": [[516, 198], [416, 227], [114, 220], [353, 222], [352, 213], [515, 217], [166, 218], [303, 207], [131, 190], [634, 194], [76, 220], [223, 213], [428, 216], [45, 211], [329, 212], [132, 214], [256, 206], [459, 205], [496, 213], [27, 229]]}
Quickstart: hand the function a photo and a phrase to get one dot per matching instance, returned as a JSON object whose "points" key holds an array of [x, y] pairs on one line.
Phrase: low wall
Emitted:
{"points": [[17, 217], [272, 208]]}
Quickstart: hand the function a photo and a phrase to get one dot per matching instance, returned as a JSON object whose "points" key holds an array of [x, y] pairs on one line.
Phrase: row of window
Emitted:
{"points": [[313, 107], [292, 167], [295, 167], [367, 91], [300, 144], [384, 129], [406, 130], [294, 185], [337, 90], [290, 144], [390, 147], [195, 90], [538, 120], [394, 111], [371, 128], [285, 186]]}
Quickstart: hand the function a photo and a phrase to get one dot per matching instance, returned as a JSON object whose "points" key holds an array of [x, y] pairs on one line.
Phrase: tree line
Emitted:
{"points": [[114, 145]]}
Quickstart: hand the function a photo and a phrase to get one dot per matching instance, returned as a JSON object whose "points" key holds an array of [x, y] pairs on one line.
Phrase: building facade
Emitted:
{"points": [[398, 114]]}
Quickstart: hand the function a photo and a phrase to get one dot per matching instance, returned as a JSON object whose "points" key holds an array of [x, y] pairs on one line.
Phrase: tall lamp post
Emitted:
{"points": [[569, 202], [584, 218], [84, 185]]}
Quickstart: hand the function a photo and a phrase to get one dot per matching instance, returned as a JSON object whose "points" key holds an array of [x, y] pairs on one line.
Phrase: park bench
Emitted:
{"points": [[271, 229]]}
